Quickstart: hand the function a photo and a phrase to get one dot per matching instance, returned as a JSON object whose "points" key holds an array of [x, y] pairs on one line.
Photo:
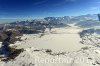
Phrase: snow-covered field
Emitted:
{"points": [[87, 56], [61, 47], [61, 39]]}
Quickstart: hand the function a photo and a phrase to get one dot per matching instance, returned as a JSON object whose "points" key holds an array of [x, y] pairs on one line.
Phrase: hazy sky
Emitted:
{"points": [[11, 9]]}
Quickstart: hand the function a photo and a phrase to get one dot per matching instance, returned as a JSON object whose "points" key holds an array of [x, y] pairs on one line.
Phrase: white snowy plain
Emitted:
{"points": [[64, 43]]}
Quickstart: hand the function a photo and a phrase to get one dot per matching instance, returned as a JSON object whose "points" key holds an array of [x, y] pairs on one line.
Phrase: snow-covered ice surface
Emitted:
{"points": [[61, 39], [66, 50]]}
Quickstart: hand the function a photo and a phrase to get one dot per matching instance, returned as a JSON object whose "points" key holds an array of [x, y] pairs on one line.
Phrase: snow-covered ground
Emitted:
{"points": [[91, 39], [87, 56], [61, 39], [61, 47]]}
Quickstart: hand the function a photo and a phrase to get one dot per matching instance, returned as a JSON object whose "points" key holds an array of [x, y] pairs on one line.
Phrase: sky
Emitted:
{"points": [[29, 9]]}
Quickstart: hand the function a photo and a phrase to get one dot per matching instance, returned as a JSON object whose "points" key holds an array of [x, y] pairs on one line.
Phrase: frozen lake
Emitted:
{"points": [[62, 39]]}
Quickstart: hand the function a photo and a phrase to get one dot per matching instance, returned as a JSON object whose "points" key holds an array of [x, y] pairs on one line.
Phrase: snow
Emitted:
{"points": [[65, 45], [61, 39], [0, 44], [83, 57]]}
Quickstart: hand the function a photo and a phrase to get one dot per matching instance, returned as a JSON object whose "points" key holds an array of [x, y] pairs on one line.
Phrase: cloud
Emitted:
{"points": [[64, 2], [98, 2], [40, 2], [94, 8], [71, 0]]}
